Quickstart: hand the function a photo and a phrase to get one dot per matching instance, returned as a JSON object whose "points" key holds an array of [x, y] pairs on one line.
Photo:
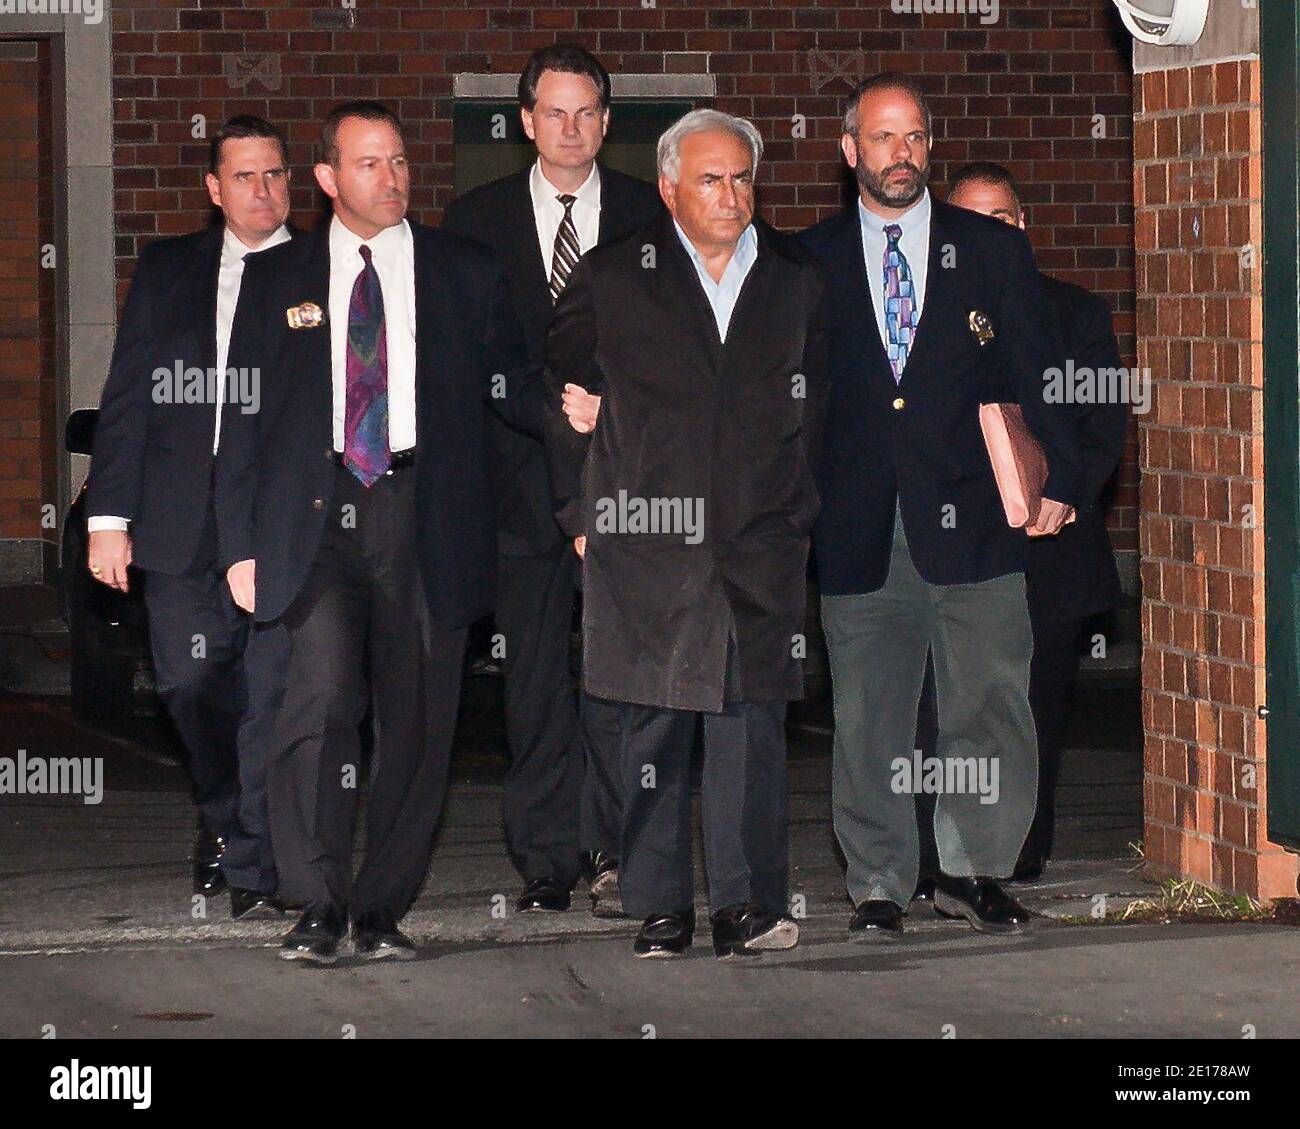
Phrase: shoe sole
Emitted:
{"points": [[307, 958], [783, 935], [608, 911], [659, 954], [387, 952], [954, 908], [606, 886], [260, 913], [874, 934], [540, 909]]}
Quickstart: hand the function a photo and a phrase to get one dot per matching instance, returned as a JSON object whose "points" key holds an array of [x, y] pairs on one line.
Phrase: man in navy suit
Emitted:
{"points": [[355, 508], [935, 310], [1071, 576], [150, 504], [561, 792]]}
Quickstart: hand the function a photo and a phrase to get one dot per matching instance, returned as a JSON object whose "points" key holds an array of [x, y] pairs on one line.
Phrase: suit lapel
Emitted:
{"points": [[684, 289], [205, 280], [937, 311], [521, 223], [314, 286], [754, 295], [860, 298]]}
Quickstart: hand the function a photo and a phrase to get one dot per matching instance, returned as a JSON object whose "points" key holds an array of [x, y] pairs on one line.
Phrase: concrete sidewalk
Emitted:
{"points": [[99, 936]]}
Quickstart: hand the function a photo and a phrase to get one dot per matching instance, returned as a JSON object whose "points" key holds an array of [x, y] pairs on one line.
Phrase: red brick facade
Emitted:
{"points": [[1198, 196], [1025, 90]]}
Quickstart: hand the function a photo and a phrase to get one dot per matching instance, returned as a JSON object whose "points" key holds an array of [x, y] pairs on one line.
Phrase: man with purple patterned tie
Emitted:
{"points": [[355, 508]]}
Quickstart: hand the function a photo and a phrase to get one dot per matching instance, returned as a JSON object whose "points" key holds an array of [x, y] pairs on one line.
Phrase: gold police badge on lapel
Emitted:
{"points": [[981, 326], [307, 316]]}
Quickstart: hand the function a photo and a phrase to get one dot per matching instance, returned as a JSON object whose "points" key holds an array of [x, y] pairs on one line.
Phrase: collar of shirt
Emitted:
{"points": [[229, 277], [548, 212], [723, 294], [233, 249], [915, 245], [386, 247]]}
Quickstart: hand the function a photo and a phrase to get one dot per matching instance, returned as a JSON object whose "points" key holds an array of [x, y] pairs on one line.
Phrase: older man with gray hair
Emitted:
{"points": [[691, 503]]}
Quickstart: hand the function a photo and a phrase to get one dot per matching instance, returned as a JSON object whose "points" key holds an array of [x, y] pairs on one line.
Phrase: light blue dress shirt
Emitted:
{"points": [[915, 245], [722, 295]]}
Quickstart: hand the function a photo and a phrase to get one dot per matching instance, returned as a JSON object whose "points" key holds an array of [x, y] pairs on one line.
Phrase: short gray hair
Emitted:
{"points": [[669, 157]]}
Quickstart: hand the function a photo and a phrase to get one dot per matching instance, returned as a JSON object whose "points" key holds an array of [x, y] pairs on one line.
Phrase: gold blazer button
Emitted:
{"points": [[898, 404]]}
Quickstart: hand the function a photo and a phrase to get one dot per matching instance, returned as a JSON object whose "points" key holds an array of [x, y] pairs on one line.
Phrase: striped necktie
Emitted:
{"points": [[900, 301], [567, 249], [365, 420]]}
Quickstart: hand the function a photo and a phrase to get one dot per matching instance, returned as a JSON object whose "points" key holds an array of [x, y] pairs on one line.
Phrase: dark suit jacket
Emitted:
{"points": [[1073, 575], [501, 215], [684, 415], [152, 461], [919, 440], [276, 469]]}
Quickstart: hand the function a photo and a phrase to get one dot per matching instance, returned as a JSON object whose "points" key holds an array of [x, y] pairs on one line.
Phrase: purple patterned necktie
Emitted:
{"points": [[365, 420], [900, 302]]}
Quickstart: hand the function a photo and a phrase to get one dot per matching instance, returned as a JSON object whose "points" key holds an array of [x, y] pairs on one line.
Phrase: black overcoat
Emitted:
{"points": [[728, 429]]}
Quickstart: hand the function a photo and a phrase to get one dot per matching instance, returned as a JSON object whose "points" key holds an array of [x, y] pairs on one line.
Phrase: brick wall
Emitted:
{"points": [[1197, 191], [1023, 90], [27, 387]]}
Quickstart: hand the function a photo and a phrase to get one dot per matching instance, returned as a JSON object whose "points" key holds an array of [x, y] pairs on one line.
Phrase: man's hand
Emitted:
{"points": [[580, 546], [240, 578], [1052, 516], [108, 554], [582, 408]]}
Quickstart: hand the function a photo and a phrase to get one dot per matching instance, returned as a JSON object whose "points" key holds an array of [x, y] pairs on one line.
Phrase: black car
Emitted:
{"points": [[108, 630]]}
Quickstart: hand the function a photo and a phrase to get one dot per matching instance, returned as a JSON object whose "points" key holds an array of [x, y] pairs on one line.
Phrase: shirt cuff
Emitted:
{"points": [[96, 524]]}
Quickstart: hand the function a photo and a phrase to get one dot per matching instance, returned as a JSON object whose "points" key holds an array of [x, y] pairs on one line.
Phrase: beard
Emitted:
{"points": [[902, 195]]}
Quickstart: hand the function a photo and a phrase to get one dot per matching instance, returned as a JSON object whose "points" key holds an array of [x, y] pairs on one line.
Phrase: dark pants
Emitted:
{"points": [[543, 785], [744, 807], [363, 610], [602, 789], [221, 684]]}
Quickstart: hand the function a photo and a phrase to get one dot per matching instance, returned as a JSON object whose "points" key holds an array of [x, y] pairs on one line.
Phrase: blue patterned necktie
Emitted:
{"points": [[900, 301], [365, 420]]}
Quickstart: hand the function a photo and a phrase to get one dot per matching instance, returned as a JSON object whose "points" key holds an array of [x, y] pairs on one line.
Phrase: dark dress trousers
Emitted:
{"points": [[671, 626], [913, 552], [379, 581], [553, 804], [1072, 576], [152, 464]]}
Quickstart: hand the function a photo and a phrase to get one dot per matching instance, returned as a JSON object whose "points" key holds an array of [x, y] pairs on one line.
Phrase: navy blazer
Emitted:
{"points": [[276, 469], [919, 440], [152, 459]]}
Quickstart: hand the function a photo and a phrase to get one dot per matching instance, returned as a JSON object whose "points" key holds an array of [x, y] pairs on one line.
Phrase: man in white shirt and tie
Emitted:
{"points": [[151, 504], [354, 508], [561, 792]]}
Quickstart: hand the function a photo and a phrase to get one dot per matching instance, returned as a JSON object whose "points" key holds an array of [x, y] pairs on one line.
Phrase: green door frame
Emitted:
{"points": [[1279, 90]]}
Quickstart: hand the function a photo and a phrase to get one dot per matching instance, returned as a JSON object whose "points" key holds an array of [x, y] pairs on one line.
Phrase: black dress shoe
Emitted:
{"points": [[208, 849], [982, 902], [375, 936], [543, 895], [665, 934], [749, 929], [876, 917], [253, 905], [924, 891], [317, 935], [603, 886]]}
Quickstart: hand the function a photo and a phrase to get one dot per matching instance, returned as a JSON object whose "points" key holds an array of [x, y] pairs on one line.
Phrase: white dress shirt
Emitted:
{"points": [[229, 276], [915, 245], [549, 212], [722, 295], [393, 254]]}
